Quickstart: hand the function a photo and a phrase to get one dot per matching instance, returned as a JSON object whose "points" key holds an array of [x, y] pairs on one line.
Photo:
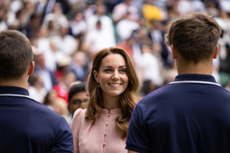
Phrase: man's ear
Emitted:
{"points": [[95, 74], [31, 68], [216, 52], [174, 52]]}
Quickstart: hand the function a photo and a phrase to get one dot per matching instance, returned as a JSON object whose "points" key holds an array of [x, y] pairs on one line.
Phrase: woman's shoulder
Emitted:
{"points": [[79, 112], [78, 118]]}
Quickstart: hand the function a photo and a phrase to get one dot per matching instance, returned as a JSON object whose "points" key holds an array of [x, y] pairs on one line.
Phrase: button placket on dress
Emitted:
{"points": [[106, 127]]}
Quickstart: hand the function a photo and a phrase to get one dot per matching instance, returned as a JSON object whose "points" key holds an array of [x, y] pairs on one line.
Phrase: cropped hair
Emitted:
{"points": [[15, 54], [194, 36], [76, 88], [127, 99]]}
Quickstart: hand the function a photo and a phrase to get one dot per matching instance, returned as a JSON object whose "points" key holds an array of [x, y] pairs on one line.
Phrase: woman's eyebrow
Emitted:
{"points": [[112, 67]]}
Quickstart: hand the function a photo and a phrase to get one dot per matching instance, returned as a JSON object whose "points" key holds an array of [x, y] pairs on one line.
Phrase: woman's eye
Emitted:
{"points": [[123, 70], [108, 70]]}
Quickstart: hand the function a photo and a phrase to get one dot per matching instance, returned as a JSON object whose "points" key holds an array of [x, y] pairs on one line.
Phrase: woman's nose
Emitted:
{"points": [[115, 75]]}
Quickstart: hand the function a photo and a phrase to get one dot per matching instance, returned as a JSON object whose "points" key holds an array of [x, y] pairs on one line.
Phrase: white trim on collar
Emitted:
{"points": [[16, 95], [199, 82]]}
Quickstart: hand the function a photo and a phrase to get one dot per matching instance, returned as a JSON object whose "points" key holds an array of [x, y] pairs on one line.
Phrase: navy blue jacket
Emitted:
{"points": [[27, 126], [190, 115]]}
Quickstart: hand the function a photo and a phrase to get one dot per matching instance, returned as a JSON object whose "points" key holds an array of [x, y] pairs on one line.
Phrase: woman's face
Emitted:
{"points": [[112, 75]]}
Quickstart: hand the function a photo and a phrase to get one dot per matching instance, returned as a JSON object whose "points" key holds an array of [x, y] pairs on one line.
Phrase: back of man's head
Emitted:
{"points": [[15, 54], [194, 36]]}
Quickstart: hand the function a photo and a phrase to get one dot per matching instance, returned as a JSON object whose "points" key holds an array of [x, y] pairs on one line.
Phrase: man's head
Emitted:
{"points": [[194, 36], [15, 55], [77, 96]]}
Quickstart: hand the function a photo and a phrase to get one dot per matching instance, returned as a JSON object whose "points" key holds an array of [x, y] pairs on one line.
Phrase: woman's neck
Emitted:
{"points": [[111, 102]]}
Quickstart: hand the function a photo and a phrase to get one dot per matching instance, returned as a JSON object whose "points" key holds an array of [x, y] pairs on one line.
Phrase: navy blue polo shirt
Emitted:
{"points": [[190, 115], [27, 126]]}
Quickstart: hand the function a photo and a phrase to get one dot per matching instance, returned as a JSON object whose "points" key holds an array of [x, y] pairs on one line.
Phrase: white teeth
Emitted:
{"points": [[114, 84]]}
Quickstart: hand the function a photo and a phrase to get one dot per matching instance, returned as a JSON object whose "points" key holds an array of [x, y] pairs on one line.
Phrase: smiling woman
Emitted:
{"points": [[113, 85]]}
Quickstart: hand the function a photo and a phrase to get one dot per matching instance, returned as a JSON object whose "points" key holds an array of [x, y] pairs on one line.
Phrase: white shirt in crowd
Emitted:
{"points": [[99, 39], [125, 28], [151, 68], [67, 44]]}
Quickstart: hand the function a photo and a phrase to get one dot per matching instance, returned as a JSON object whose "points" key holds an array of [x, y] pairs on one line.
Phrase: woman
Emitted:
{"points": [[112, 86]]}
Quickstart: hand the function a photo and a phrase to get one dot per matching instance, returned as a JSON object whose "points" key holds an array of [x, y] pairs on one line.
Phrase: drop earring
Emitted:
{"points": [[98, 85]]}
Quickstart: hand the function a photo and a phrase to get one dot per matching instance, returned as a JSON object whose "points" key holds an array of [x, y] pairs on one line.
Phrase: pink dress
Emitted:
{"points": [[100, 137]]}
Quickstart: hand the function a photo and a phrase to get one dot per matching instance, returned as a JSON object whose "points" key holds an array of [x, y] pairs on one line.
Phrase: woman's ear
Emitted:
{"points": [[96, 76]]}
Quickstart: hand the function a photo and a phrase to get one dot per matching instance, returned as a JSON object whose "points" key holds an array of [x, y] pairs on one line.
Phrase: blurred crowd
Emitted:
{"points": [[66, 34]]}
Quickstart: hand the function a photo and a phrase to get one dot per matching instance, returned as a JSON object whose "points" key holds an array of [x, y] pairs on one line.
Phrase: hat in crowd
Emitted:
{"points": [[152, 12], [37, 51], [65, 61]]}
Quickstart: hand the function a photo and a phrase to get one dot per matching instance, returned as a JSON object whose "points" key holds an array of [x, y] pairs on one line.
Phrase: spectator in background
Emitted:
{"points": [[184, 7], [99, 38], [121, 9], [78, 96], [154, 10], [52, 31], [151, 66], [36, 88], [106, 22], [224, 21], [79, 65], [33, 26], [157, 51], [42, 42], [78, 26], [65, 42], [112, 85], [89, 8], [53, 56], [57, 16], [40, 67], [156, 33], [3, 22], [63, 65], [127, 45], [126, 27], [62, 88], [21, 21], [224, 5], [147, 87], [20, 115], [56, 104]]}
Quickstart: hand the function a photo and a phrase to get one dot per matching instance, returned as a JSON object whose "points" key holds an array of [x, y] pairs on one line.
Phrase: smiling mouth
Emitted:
{"points": [[115, 85]]}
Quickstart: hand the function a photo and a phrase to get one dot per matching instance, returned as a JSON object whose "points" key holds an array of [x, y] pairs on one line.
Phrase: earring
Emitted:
{"points": [[98, 85]]}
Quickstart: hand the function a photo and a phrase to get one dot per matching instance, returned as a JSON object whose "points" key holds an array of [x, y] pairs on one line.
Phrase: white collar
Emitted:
{"points": [[16, 95], [199, 82]]}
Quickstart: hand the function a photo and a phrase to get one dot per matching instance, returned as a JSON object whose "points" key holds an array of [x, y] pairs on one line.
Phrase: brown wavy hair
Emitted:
{"points": [[128, 98]]}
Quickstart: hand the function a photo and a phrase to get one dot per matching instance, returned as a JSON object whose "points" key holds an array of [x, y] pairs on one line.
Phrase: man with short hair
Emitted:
{"points": [[190, 114], [26, 125], [78, 96]]}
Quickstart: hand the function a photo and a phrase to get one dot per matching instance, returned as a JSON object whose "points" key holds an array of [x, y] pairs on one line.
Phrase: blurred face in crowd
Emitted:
{"points": [[63, 31], [157, 48], [101, 10], [78, 17], [57, 8], [77, 101], [43, 32], [69, 79], [112, 75], [40, 60]]}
